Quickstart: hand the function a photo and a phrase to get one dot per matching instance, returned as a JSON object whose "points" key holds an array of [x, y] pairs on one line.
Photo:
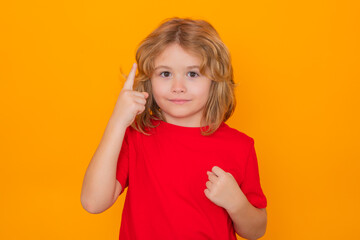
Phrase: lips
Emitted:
{"points": [[179, 101]]}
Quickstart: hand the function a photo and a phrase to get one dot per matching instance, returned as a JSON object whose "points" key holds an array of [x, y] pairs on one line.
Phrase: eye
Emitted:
{"points": [[165, 73], [194, 74]]}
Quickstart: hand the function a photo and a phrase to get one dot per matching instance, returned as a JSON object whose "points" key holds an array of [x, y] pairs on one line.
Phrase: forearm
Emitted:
{"points": [[249, 222], [99, 182]]}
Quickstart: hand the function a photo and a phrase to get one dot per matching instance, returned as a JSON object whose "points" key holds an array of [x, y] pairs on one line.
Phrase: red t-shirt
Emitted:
{"points": [[166, 177]]}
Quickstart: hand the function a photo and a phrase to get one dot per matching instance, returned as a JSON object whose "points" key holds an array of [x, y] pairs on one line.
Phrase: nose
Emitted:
{"points": [[178, 85]]}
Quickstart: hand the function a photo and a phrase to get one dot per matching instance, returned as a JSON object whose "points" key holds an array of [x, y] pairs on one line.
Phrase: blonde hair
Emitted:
{"points": [[200, 38]]}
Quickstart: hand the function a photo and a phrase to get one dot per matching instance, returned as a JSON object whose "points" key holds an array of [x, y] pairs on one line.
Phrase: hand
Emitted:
{"points": [[129, 103], [223, 190]]}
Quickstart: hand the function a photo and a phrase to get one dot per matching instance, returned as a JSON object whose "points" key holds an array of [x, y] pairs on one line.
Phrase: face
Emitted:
{"points": [[179, 89]]}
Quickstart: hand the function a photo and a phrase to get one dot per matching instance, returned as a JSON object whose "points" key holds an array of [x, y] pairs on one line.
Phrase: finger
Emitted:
{"points": [[130, 80], [230, 174], [140, 100], [145, 94], [207, 193], [140, 109], [209, 185], [138, 94], [212, 177], [218, 171]]}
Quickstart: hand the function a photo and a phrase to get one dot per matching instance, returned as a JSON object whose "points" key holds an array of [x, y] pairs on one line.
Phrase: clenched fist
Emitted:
{"points": [[223, 190]]}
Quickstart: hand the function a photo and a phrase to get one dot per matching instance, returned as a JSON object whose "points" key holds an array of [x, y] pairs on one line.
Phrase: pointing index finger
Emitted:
{"points": [[130, 79]]}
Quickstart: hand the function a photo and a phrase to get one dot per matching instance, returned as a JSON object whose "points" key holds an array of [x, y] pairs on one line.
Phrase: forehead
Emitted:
{"points": [[174, 54]]}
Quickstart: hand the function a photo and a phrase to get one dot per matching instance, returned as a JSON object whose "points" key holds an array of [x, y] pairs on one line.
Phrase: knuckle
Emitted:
{"points": [[125, 92], [133, 104]]}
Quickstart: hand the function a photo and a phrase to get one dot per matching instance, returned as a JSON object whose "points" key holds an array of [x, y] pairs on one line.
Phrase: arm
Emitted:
{"points": [[249, 222], [100, 188]]}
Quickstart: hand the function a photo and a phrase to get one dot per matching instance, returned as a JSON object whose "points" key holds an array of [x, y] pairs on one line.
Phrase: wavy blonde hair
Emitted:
{"points": [[200, 38]]}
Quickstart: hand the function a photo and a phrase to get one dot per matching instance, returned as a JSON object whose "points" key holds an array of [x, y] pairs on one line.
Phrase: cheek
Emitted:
{"points": [[203, 91], [158, 89], [154, 86]]}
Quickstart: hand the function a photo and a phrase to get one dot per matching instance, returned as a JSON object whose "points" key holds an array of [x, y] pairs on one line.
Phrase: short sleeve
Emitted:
{"points": [[122, 169], [250, 185]]}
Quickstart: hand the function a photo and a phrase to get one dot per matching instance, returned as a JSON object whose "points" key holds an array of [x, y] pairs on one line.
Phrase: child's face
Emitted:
{"points": [[178, 88]]}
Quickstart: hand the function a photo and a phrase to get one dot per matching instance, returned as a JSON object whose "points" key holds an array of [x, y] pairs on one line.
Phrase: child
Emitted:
{"points": [[189, 175]]}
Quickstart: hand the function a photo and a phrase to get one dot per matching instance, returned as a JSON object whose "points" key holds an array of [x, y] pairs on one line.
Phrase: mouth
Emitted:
{"points": [[179, 101]]}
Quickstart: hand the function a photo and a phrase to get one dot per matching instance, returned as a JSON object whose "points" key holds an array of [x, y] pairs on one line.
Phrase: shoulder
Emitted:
{"points": [[236, 134], [134, 134], [235, 137]]}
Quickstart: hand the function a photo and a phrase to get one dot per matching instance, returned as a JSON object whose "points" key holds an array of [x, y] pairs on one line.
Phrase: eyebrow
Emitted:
{"points": [[189, 67]]}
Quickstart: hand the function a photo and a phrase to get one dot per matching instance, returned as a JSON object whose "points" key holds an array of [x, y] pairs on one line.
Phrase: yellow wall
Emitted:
{"points": [[298, 68]]}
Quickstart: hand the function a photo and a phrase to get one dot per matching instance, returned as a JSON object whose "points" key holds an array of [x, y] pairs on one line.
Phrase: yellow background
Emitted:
{"points": [[297, 65]]}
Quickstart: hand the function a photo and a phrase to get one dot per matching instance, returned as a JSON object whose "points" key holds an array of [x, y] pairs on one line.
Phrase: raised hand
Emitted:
{"points": [[129, 103]]}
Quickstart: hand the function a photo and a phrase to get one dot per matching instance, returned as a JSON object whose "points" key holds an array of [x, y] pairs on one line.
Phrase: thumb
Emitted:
{"points": [[130, 79]]}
